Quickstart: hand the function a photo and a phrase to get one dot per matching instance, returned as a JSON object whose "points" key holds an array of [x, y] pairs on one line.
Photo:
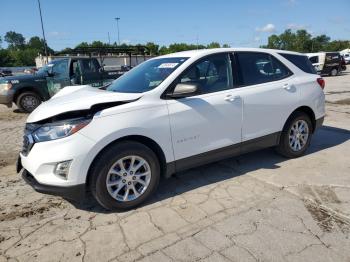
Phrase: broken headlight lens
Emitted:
{"points": [[59, 130]]}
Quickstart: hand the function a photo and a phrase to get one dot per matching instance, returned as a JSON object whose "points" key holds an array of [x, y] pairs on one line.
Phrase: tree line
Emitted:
{"points": [[304, 42], [20, 52]]}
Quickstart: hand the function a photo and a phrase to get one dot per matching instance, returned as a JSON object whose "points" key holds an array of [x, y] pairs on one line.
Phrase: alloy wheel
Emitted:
{"points": [[128, 178], [298, 135]]}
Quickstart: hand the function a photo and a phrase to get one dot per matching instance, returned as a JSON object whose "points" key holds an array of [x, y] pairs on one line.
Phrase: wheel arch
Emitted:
{"points": [[26, 89], [308, 111], [153, 145]]}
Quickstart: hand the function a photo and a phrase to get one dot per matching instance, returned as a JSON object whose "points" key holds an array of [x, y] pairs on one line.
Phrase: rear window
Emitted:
{"points": [[301, 61]]}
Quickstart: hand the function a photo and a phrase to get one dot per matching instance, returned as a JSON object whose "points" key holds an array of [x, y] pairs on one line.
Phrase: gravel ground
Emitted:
{"points": [[258, 206]]}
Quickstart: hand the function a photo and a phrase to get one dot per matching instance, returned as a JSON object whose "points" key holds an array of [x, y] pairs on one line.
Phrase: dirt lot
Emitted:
{"points": [[259, 206]]}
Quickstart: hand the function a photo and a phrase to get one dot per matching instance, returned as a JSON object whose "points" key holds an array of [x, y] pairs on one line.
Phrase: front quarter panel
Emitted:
{"points": [[151, 122]]}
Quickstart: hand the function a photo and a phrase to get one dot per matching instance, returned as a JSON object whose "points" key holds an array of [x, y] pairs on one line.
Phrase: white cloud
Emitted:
{"points": [[269, 28]]}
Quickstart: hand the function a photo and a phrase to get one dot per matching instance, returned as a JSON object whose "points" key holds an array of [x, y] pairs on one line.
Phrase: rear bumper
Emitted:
{"points": [[76, 192]]}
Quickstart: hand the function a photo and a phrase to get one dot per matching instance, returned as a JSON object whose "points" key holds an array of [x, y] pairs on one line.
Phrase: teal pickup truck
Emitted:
{"points": [[28, 91]]}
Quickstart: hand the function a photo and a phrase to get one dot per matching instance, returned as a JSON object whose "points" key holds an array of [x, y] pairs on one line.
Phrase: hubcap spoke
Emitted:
{"points": [[298, 135], [128, 178]]}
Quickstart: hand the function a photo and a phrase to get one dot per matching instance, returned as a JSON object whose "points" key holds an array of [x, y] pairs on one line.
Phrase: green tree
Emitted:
{"points": [[303, 42], [5, 58], [97, 44], [319, 43], [153, 48], [213, 45], [82, 45], [226, 45], [273, 42], [14, 40]]}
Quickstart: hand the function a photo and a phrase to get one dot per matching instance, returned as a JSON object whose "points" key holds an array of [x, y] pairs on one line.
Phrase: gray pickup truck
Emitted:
{"points": [[28, 91]]}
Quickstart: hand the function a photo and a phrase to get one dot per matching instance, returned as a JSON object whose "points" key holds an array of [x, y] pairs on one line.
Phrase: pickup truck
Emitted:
{"points": [[28, 91]]}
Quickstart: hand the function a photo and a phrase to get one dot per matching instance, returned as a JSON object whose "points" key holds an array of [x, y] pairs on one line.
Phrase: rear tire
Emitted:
{"points": [[296, 136], [28, 101], [114, 175], [334, 72]]}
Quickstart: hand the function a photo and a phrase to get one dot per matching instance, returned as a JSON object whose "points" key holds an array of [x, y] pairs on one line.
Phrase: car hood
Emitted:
{"points": [[20, 78], [82, 98]]}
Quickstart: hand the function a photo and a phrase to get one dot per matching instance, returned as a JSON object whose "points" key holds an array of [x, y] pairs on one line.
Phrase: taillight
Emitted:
{"points": [[321, 82]]}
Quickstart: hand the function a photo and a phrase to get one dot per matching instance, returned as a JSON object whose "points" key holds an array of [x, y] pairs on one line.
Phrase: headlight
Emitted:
{"points": [[59, 130], [5, 86]]}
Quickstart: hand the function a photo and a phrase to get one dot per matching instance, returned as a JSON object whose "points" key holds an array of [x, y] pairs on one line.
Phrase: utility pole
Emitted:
{"points": [[109, 39], [117, 19], [42, 28]]}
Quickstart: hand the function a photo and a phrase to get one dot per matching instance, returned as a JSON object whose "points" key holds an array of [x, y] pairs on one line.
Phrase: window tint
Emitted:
{"points": [[257, 68], [60, 67], [212, 74], [313, 59], [302, 62], [90, 65]]}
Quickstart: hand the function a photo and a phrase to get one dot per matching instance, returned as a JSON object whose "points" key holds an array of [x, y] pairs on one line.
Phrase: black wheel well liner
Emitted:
{"points": [[26, 89], [150, 143], [308, 111]]}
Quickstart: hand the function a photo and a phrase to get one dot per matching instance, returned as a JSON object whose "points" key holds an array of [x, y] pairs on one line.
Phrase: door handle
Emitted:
{"points": [[231, 98], [287, 87]]}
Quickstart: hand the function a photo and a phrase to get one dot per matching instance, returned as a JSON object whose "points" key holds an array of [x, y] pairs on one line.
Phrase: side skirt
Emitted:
{"points": [[223, 153]]}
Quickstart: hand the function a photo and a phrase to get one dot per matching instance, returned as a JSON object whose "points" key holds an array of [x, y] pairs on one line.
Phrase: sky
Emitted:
{"points": [[246, 23]]}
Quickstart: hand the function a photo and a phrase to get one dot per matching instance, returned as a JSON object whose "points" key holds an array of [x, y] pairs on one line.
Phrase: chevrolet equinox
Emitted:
{"points": [[166, 115]]}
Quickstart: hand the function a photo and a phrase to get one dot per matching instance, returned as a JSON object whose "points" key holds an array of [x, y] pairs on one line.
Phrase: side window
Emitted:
{"points": [[60, 68], [301, 61], [313, 59], [258, 68], [211, 74], [90, 66]]}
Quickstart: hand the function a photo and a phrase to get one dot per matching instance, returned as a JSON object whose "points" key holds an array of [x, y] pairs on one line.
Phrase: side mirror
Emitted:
{"points": [[184, 90], [101, 69]]}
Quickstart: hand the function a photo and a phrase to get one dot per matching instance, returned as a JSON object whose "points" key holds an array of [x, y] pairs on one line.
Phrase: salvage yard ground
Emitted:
{"points": [[255, 207]]}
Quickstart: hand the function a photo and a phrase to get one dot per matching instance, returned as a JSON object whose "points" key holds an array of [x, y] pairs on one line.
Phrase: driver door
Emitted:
{"points": [[207, 126], [59, 76]]}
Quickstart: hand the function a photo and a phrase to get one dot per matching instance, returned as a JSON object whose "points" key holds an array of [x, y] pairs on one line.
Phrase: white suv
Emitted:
{"points": [[168, 114]]}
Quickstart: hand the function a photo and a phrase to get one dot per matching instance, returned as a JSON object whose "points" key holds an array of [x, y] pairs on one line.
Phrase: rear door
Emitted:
{"points": [[90, 72], [268, 93]]}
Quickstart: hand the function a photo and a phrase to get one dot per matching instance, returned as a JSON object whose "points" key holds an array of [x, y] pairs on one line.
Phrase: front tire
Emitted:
{"points": [[28, 101], [124, 175], [296, 136]]}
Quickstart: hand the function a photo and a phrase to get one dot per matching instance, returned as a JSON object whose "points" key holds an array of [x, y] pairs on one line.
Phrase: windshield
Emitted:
{"points": [[146, 76], [45, 68]]}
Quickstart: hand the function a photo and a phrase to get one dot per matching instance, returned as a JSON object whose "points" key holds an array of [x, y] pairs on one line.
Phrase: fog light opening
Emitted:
{"points": [[62, 169]]}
